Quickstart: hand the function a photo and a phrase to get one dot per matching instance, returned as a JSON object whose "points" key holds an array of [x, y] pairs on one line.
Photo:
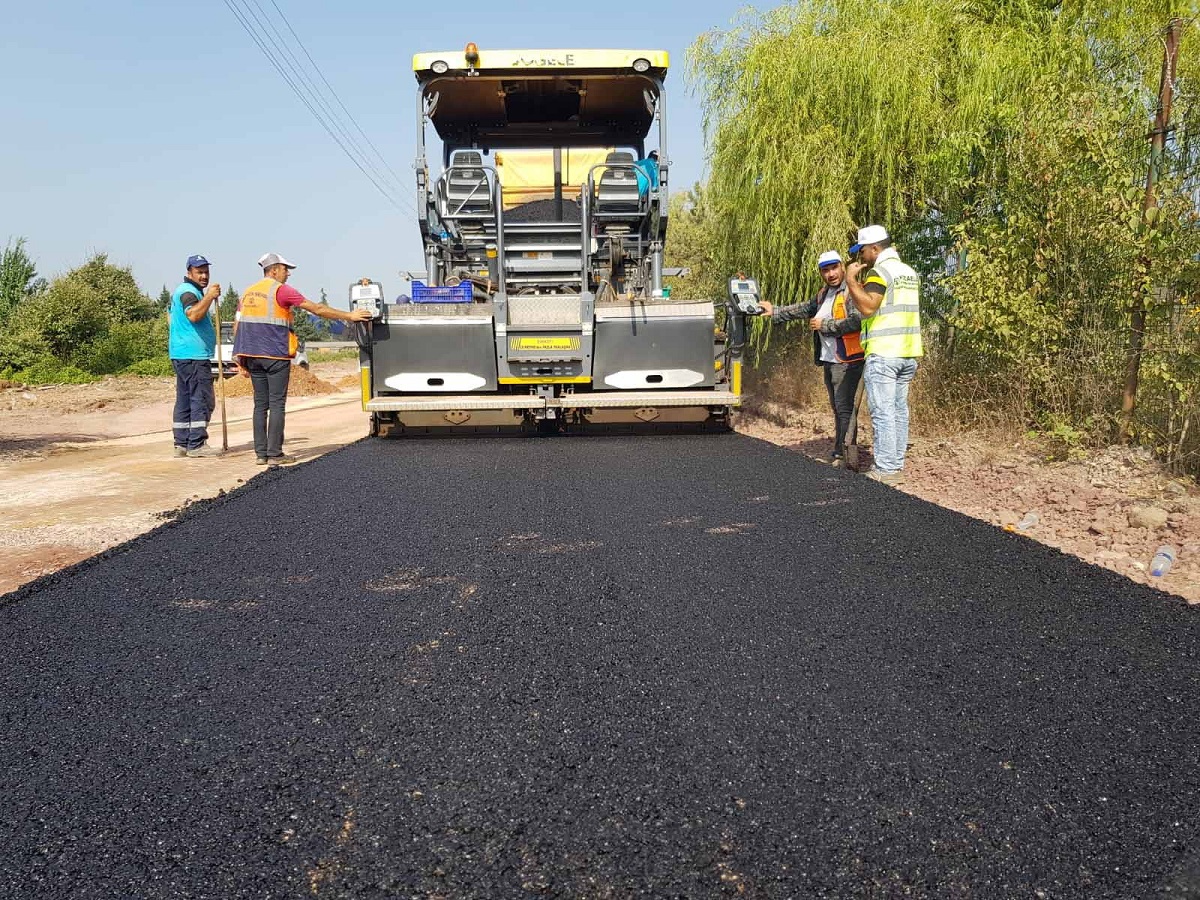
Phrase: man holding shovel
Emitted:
{"points": [[191, 344]]}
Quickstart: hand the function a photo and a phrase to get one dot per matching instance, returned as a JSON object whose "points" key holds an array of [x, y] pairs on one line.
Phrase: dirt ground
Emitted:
{"points": [[86, 467], [1112, 508]]}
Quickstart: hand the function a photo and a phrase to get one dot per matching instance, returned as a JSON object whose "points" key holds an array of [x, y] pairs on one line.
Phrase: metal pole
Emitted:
{"points": [[221, 380], [1158, 137]]}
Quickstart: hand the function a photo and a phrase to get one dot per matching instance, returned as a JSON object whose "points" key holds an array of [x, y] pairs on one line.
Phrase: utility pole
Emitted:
{"points": [[1158, 139]]}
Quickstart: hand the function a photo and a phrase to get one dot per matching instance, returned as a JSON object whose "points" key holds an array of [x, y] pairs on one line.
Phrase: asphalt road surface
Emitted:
{"points": [[685, 666]]}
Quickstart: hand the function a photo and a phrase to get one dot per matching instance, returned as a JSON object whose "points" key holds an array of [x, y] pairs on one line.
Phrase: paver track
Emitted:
{"points": [[599, 667]]}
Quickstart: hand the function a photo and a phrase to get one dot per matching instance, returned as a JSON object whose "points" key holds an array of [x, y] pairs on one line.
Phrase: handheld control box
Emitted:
{"points": [[367, 294], [744, 296]]}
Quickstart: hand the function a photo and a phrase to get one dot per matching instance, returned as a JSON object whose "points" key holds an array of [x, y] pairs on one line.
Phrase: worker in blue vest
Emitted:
{"points": [[191, 345]]}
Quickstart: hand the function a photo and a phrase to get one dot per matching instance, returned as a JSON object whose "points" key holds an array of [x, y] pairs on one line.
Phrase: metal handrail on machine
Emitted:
{"points": [[442, 185], [586, 212]]}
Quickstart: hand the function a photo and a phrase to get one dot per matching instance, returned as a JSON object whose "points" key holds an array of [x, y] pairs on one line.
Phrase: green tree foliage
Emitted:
{"points": [[17, 274], [163, 304], [123, 300], [125, 344], [1003, 142], [92, 321], [229, 303], [70, 315], [309, 327], [691, 245], [303, 325]]}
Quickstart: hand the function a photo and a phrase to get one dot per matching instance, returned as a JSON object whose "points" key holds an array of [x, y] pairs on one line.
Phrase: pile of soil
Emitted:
{"points": [[303, 384]]}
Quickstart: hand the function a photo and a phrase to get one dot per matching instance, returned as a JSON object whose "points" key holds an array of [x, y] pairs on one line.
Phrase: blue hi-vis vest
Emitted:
{"points": [[188, 339]]}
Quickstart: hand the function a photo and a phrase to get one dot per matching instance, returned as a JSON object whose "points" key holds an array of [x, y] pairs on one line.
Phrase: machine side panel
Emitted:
{"points": [[454, 355], [643, 346]]}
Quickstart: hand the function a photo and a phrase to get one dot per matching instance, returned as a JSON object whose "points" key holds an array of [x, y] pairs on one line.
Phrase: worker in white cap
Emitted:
{"points": [[889, 299], [835, 324], [264, 344]]}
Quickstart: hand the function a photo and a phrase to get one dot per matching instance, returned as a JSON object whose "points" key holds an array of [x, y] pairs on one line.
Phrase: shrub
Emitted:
{"points": [[69, 315], [48, 370], [21, 348], [125, 344], [154, 367]]}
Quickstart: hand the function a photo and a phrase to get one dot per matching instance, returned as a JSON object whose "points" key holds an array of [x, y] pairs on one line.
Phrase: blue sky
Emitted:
{"points": [[150, 131]]}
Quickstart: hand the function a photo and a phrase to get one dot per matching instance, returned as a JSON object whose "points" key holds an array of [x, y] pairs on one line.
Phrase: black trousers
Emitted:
{"points": [[270, 378], [841, 380], [194, 402]]}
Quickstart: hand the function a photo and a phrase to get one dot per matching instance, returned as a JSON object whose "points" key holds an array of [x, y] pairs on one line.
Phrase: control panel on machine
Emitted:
{"points": [[744, 296], [367, 294]]}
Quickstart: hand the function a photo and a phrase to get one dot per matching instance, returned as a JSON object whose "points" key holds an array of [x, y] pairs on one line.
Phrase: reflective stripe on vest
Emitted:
{"points": [[264, 328], [895, 329], [849, 346]]}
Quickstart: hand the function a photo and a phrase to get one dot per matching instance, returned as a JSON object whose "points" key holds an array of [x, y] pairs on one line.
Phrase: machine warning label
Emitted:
{"points": [[544, 343]]}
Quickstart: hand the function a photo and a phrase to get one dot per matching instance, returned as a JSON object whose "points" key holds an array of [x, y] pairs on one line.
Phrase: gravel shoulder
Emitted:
{"points": [[86, 467]]}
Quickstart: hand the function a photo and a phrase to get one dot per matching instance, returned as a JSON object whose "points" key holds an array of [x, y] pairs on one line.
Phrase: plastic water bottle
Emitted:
{"points": [[1164, 558]]}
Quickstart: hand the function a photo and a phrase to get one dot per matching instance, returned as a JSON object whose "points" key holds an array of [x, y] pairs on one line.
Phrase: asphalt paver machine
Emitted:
{"points": [[543, 218]]}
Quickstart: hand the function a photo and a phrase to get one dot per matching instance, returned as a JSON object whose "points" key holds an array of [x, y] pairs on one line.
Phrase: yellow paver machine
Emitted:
{"points": [[542, 303]]}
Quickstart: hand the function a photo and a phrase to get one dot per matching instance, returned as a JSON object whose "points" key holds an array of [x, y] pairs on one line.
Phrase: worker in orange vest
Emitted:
{"points": [[264, 345], [835, 324]]}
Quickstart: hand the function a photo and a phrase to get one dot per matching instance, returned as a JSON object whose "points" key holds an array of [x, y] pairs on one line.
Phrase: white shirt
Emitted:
{"points": [[825, 311]]}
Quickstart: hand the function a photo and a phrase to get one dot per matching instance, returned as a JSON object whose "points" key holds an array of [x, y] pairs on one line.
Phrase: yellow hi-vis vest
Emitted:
{"points": [[895, 329], [264, 328]]}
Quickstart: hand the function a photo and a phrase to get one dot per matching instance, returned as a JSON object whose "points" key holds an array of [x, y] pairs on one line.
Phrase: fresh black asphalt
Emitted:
{"points": [[679, 666]]}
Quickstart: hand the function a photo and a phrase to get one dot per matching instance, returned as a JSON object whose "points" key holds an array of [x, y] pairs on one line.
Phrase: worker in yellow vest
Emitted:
{"points": [[835, 323], [264, 345], [889, 300]]}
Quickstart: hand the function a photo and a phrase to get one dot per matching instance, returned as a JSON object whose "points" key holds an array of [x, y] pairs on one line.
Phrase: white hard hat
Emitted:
{"points": [[872, 234]]}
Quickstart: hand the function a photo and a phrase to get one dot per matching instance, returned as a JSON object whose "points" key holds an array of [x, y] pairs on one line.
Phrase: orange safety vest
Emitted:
{"points": [[264, 328], [849, 346]]}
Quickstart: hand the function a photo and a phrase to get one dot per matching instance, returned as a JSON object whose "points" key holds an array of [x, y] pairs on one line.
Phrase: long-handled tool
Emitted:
{"points": [[221, 380], [852, 437]]}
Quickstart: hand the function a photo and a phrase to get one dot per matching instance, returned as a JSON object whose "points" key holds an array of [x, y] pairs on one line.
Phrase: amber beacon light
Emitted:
{"points": [[472, 54]]}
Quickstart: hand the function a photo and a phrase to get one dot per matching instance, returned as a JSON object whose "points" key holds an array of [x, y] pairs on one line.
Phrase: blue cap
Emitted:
{"points": [[195, 262]]}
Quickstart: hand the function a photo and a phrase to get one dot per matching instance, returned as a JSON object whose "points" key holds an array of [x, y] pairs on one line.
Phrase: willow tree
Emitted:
{"points": [[1006, 134]]}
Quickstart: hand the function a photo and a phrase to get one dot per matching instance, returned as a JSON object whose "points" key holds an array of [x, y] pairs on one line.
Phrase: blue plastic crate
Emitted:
{"points": [[459, 293]]}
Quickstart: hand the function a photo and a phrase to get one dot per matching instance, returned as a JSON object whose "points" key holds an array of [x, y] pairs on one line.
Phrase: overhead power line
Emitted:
{"points": [[303, 86], [349, 115]]}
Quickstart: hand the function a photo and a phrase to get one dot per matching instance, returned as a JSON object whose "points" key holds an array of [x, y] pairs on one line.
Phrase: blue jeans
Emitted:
{"points": [[194, 402], [887, 379]]}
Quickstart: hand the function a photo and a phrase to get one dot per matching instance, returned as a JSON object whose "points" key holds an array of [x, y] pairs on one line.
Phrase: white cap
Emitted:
{"points": [[872, 234], [273, 259], [828, 258]]}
